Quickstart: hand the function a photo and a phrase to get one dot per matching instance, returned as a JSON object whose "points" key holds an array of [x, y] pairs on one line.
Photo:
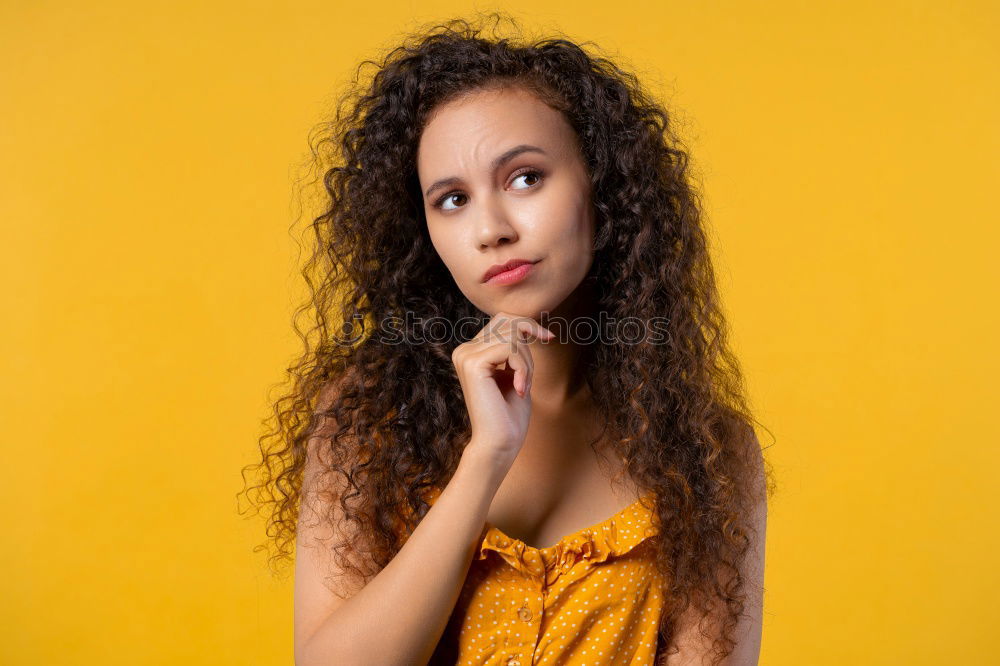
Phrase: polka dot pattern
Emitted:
{"points": [[592, 599]]}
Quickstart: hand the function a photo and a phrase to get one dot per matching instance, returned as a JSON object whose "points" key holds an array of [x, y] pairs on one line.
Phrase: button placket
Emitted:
{"points": [[522, 641], [524, 612]]}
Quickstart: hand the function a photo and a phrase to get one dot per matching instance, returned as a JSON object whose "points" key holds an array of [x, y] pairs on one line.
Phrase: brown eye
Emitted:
{"points": [[531, 173], [450, 195]]}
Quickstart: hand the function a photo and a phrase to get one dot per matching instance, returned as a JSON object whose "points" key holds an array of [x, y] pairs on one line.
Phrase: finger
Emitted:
{"points": [[524, 351], [504, 325], [494, 327], [521, 360], [533, 330], [522, 373], [518, 334], [489, 357]]}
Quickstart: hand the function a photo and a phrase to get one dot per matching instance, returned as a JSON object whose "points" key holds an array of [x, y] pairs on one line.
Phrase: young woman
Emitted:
{"points": [[517, 434]]}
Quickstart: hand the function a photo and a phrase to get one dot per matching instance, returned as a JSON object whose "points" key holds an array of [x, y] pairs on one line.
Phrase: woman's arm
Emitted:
{"points": [[693, 646], [401, 614]]}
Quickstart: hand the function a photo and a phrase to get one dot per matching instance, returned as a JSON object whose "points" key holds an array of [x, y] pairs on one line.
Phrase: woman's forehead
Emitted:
{"points": [[474, 131]]}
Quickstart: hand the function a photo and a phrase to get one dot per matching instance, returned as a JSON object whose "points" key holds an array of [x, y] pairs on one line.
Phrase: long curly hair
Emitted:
{"points": [[389, 420]]}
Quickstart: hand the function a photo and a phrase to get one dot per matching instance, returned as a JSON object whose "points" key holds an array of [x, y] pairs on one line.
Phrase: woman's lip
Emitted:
{"points": [[513, 275]]}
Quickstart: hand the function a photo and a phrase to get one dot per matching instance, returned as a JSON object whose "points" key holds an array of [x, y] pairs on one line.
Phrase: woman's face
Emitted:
{"points": [[503, 178]]}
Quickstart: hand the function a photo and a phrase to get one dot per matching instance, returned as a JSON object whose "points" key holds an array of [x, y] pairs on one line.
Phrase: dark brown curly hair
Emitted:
{"points": [[677, 411]]}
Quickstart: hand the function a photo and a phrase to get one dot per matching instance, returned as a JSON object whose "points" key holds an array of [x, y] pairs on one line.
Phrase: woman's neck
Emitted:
{"points": [[558, 379]]}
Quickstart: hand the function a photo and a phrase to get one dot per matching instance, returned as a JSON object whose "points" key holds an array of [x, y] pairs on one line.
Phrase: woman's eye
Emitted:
{"points": [[532, 173], [529, 174], [447, 197]]}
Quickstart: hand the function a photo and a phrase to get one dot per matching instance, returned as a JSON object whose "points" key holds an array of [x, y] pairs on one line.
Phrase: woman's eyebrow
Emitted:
{"points": [[498, 162]]}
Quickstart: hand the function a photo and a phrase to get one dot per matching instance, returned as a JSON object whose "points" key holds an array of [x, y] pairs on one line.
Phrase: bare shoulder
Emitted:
{"points": [[692, 643], [320, 585]]}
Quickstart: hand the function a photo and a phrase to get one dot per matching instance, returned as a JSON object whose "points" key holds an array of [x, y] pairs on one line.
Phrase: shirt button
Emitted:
{"points": [[513, 660], [524, 613]]}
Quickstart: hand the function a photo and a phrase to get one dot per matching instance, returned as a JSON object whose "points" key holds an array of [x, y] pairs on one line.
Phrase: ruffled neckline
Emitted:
{"points": [[612, 537]]}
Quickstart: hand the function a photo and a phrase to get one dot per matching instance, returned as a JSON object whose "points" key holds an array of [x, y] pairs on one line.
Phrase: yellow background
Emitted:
{"points": [[848, 152]]}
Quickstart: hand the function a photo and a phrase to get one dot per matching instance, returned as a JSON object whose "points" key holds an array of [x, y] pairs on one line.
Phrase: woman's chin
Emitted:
{"points": [[521, 307]]}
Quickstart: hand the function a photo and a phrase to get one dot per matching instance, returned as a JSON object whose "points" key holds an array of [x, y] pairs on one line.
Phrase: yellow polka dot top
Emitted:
{"points": [[591, 599]]}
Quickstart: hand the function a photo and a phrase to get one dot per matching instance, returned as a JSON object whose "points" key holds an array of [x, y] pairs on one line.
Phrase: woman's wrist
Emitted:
{"points": [[485, 463]]}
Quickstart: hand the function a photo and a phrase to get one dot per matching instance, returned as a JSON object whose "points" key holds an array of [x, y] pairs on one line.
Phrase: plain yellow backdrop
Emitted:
{"points": [[848, 153]]}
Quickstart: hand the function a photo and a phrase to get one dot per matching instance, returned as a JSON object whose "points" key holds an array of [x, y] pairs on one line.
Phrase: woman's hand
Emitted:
{"points": [[495, 370]]}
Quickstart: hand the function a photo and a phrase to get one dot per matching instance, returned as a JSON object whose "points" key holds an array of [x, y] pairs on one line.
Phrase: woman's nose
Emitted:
{"points": [[495, 227]]}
